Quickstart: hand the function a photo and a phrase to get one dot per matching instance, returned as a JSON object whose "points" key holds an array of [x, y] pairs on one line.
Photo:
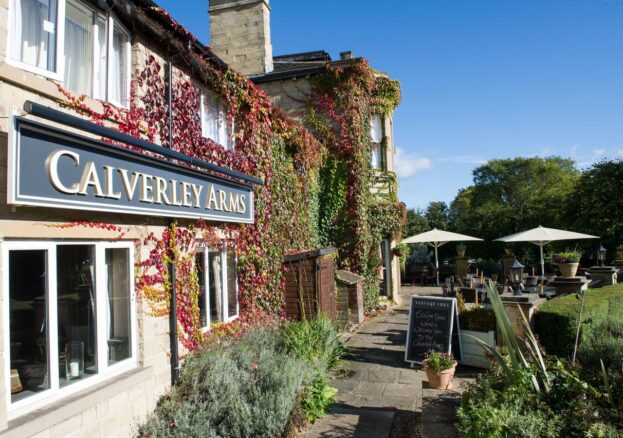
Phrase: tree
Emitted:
{"points": [[511, 195], [596, 204], [416, 222], [437, 215]]}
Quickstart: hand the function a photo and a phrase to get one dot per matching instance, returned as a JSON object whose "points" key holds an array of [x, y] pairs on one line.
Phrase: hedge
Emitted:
{"points": [[555, 322]]}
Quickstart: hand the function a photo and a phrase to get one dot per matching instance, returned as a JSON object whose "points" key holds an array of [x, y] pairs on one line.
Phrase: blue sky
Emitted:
{"points": [[480, 79]]}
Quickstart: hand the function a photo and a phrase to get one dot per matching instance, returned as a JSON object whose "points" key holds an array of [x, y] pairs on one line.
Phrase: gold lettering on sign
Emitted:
{"points": [[234, 201], [222, 196], [161, 191], [129, 185], [242, 204], [197, 192], [52, 165], [212, 199], [146, 188], [186, 193], [90, 178], [174, 197], [108, 183]]}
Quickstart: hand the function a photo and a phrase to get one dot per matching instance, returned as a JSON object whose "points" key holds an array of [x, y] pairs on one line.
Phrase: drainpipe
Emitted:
{"points": [[175, 361]]}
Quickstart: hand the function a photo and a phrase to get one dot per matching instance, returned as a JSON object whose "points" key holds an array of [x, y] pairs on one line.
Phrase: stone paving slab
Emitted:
{"points": [[358, 423]]}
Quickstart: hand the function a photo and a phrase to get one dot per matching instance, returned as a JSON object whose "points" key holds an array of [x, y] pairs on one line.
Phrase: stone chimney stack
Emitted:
{"points": [[240, 34]]}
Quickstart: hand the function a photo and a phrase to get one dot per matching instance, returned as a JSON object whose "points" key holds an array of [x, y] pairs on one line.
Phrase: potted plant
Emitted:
{"points": [[402, 249], [476, 323], [620, 252], [568, 262], [440, 369], [460, 249]]}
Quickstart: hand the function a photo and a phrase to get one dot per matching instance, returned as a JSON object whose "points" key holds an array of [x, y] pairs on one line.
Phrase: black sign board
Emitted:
{"points": [[433, 325]]}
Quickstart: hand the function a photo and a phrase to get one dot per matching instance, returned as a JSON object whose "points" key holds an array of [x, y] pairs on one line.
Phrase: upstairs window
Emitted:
{"points": [[214, 123], [93, 56], [35, 33], [376, 136]]}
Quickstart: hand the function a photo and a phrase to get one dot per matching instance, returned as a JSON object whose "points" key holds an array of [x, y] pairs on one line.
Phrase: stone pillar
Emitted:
{"points": [[606, 274], [240, 34], [460, 268], [528, 303], [569, 285]]}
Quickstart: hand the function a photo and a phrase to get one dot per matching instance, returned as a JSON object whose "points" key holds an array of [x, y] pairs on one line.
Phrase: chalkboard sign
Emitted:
{"points": [[433, 325]]}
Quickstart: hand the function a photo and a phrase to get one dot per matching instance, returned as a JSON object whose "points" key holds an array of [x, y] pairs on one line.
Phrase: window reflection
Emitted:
{"points": [[28, 323], [76, 312], [119, 295]]}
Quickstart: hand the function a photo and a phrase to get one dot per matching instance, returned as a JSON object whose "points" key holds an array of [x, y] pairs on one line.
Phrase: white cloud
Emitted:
{"points": [[620, 153], [599, 153], [546, 151], [408, 164]]}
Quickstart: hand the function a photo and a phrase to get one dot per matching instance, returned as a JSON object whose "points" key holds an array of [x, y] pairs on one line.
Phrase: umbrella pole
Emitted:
{"points": [[437, 263], [542, 261]]}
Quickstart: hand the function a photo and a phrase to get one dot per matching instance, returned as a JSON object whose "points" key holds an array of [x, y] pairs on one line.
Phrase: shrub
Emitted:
{"points": [[317, 399], [555, 322], [568, 256], [480, 319], [603, 341], [316, 341], [240, 388]]}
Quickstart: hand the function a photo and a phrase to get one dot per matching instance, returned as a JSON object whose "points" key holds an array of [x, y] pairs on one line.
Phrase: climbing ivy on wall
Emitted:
{"points": [[342, 101], [268, 145]]}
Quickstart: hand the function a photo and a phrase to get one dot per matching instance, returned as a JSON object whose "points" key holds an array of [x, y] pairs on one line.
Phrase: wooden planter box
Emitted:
{"points": [[473, 354]]}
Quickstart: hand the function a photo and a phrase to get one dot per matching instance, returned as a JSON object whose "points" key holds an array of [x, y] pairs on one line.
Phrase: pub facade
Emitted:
{"points": [[82, 353]]}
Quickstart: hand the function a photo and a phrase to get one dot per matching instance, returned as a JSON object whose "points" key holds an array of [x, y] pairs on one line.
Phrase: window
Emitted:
{"points": [[218, 287], [70, 317], [376, 136], [95, 48], [35, 31], [214, 123]]}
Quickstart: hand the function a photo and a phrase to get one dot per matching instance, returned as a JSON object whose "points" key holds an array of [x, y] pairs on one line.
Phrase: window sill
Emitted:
{"points": [[47, 417]]}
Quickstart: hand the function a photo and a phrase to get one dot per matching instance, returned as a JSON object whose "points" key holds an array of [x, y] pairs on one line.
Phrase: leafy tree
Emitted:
{"points": [[416, 222], [437, 215], [596, 204], [511, 195]]}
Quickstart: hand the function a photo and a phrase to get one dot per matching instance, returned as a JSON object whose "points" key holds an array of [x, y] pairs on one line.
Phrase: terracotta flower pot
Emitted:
{"points": [[460, 253], [568, 269], [441, 380]]}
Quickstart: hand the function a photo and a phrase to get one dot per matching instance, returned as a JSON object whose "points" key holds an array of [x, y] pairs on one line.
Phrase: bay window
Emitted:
{"points": [[70, 317], [218, 287], [376, 136], [214, 123], [93, 55]]}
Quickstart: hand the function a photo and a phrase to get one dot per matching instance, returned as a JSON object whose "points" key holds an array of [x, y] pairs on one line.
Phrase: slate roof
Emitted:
{"points": [[299, 65]]}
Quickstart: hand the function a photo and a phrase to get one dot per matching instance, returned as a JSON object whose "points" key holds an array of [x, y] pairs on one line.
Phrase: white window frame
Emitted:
{"points": [[228, 142], [105, 371], [59, 31], [59, 74], [224, 285]]}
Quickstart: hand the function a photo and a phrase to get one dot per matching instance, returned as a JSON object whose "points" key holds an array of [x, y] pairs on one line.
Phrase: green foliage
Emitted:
{"points": [[568, 256], [385, 95], [511, 195], [597, 206], [317, 341], [529, 394], [480, 319], [437, 362], [416, 222], [317, 399], [240, 388], [386, 220], [332, 183], [604, 341], [555, 322], [437, 215]]}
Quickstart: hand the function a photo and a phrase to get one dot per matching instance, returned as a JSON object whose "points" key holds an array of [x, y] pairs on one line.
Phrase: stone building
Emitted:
{"points": [[82, 355], [240, 35]]}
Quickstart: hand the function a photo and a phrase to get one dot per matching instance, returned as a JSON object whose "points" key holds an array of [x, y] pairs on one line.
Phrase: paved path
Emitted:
{"points": [[381, 396]]}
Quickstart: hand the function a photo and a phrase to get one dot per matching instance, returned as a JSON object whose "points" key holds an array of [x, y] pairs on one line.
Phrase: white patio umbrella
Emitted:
{"points": [[541, 236], [436, 238]]}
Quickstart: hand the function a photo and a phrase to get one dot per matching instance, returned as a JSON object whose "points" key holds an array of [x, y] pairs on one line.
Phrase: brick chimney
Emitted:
{"points": [[240, 34]]}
